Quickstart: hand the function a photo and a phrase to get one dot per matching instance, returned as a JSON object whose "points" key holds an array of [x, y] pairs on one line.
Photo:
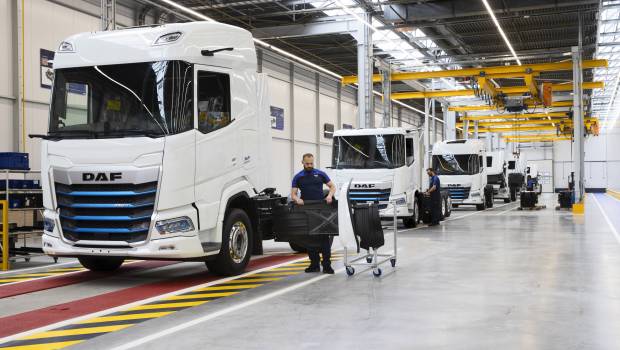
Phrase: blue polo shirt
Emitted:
{"points": [[434, 180], [310, 183]]}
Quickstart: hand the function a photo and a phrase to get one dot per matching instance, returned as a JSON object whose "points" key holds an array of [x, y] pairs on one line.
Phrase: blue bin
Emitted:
{"points": [[14, 161], [16, 202]]}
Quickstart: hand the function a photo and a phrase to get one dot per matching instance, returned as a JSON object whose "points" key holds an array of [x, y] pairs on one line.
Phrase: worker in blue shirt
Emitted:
{"points": [[310, 182], [434, 188]]}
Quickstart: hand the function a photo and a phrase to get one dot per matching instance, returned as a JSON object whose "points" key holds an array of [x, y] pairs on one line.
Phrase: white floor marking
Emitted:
{"points": [[138, 303], [505, 211], [197, 321], [611, 226]]}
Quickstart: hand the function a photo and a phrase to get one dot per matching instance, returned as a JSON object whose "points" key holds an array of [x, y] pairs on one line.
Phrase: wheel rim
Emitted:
{"points": [[443, 207], [238, 242], [416, 214]]}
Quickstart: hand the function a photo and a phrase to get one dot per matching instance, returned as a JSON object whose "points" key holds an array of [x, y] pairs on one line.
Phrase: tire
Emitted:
{"points": [[448, 207], [101, 263], [298, 248], [506, 200], [444, 209], [482, 206], [513, 194], [236, 247], [488, 196], [412, 221]]}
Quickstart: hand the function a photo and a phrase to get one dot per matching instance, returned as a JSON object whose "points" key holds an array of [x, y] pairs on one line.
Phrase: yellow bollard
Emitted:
{"points": [[5, 234], [578, 208]]}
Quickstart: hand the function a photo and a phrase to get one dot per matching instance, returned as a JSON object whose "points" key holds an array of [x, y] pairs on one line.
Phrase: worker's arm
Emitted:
{"points": [[332, 190], [295, 197]]}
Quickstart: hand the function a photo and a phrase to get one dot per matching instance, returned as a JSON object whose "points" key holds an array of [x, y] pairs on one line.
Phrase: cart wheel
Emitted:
{"points": [[350, 270], [376, 272], [369, 259], [393, 262], [55, 260], [27, 259]]}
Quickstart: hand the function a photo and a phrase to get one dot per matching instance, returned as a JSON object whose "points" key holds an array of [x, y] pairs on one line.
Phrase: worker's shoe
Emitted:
{"points": [[328, 270], [311, 269]]}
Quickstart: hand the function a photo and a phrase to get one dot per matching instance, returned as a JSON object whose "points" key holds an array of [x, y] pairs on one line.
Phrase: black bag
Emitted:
{"points": [[565, 198], [305, 224], [367, 225], [529, 199]]}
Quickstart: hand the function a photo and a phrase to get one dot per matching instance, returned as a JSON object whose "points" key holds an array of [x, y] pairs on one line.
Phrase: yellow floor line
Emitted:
{"points": [[246, 280], [238, 286], [37, 275], [167, 305], [201, 295], [47, 346], [14, 280], [68, 269], [271, 274], [288, 268], [126, 317], [78, 331]]}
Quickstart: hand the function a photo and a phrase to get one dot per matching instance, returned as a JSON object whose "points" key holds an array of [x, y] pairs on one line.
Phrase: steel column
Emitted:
{"points": [[292, 113], [386, 85], [108, 14], [578, 147], [317, 94], [365, 98], [427, 148], [19, 139]]}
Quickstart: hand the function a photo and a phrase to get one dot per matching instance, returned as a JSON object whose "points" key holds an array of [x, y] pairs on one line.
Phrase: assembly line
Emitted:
{"points": [[283, 174]]}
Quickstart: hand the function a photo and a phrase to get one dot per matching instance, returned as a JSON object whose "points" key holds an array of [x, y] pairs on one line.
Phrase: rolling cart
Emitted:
{"points": [[372, 258]]}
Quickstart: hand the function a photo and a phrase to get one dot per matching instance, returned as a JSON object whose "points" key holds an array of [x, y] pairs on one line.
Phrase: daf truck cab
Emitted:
{"points": [[460, 165], [497, 175], [382, 166], [157, 142]]}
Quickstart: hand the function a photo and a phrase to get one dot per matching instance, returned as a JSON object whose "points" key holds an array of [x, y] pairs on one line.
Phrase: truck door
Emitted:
{"points": [[217, 142]]}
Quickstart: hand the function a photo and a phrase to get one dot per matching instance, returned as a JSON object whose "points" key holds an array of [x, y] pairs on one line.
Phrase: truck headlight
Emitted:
{"points": [[48, 225], [475, 194], [400, 200], [181, 224]]}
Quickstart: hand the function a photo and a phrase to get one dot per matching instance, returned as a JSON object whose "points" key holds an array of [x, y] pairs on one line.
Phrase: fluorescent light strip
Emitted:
{"points": [[501, 31], [286, 53]]}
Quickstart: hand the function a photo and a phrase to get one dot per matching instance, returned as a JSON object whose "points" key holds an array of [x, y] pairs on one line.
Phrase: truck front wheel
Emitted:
{"points": [[234, 254], [101, 263], [513, 193], [482, 206], [298, 248], [412, 221]]}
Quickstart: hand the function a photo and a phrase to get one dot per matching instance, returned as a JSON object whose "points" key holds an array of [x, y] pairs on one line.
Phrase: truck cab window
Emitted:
{"points": [[213, 101], [489, 161], [409, 151], [481, 162]]}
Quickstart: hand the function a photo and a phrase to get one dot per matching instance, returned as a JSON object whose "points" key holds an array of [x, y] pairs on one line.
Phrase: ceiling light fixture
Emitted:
{"points": [[501, 31]]}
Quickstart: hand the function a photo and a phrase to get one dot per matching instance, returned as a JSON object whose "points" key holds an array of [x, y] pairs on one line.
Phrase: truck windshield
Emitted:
{"points": [[368, 152], [125, 100], [456, 164]]}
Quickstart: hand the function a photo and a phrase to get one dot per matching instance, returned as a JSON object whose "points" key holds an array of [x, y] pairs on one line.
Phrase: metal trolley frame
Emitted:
{"points": [[374, 259]]}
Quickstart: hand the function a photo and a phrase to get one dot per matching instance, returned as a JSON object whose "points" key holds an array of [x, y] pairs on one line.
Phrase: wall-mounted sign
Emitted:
{"points": [[347, 126], [47, 73], [328, 131], [277, 118]]}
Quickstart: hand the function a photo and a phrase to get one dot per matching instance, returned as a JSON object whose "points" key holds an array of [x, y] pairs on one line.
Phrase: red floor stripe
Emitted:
{"points": [[38, 318], [36, 285]]}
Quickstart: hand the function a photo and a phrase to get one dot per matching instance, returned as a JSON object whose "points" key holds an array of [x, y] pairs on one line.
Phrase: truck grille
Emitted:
{"points": [[371, 195], [110, 212], [459, 193]]}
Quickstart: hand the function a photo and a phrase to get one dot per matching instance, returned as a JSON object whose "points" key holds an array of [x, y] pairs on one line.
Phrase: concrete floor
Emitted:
{"points": [[499, 279]]}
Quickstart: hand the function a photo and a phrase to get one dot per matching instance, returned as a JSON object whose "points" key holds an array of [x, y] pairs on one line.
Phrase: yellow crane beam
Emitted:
{"points": [[482, 71], [491, 90], [517, 129], [515, 116], [530, 122], [538, 139], [492, 108]]}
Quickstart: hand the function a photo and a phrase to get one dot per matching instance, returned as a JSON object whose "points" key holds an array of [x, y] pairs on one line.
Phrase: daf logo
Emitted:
{"points": [[363, 185], [101, 176], [453, 185]]}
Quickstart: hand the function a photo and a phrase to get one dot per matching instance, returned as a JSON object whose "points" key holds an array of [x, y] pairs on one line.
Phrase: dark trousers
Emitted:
{"points": [[435, 207], [325, 249]]}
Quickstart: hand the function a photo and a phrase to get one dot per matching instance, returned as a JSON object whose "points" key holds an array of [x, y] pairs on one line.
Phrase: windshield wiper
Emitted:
{"points": [[61, 134], [136, 132]]}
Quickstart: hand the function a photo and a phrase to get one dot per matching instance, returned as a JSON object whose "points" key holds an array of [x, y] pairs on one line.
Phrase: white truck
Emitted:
{"points": [[497, 175], [157, 144], [383, 165], [460, 165]]}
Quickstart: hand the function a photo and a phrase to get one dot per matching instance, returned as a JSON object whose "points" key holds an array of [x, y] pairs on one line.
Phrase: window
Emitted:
{"points": [[481, 162], [456, 164], [213, 101], [512, 164], [368, 152], [409, 151], [489, 161]]}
